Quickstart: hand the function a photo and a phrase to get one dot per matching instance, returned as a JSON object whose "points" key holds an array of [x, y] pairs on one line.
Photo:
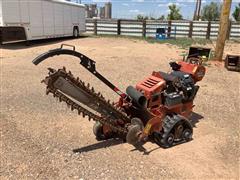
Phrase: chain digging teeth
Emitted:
{"points": [[85, 112], [81, 110]]}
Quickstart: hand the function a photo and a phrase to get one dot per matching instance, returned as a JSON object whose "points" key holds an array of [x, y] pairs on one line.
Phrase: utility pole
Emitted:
{"points": [[196, 10], [199, 9], [196, 15], [223, 29]]}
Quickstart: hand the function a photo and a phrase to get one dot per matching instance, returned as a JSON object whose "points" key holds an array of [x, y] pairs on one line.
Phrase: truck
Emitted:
{"points": [[26, 20]]}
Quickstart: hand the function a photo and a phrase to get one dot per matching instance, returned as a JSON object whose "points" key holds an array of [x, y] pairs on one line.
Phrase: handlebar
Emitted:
{"points": [[84, 61]]}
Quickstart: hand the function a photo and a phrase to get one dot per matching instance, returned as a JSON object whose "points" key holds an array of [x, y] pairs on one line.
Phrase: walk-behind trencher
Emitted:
{"points": [[157, 108]]}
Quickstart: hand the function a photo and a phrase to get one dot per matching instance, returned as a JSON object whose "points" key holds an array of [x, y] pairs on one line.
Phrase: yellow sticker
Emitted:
{"points": [[147, 128], [194, 70]]}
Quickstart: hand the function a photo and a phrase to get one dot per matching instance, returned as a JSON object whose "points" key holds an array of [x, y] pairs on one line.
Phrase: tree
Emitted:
{"points": [[236, 13], [211, 12], [162, 17], [141, 17], [152, 18], [174, 13]]}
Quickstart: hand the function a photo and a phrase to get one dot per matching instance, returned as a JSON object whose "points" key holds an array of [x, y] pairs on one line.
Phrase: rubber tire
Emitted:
{"points": [[165, 141], [180, 135], [187, 137], [98, 131], [27, 43], [75, 32]]}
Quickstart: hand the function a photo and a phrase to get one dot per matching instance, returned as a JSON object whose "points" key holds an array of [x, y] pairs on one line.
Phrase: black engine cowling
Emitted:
{"points": [[180, 87]]}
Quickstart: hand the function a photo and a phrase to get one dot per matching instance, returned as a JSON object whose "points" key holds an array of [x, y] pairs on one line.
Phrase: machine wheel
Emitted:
{"points": [[178, 130], [98, 131], [137, 121], [75, 32], [132, 135], [167, 140], [134, 129], [187, 134], [175, 129]]}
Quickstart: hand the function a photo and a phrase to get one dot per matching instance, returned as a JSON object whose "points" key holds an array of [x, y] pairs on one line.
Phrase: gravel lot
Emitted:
{"points": [[42, 139]]}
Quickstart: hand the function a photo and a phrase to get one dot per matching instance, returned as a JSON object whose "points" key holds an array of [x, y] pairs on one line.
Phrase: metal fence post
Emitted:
{"points": [[169, 28], [208, 30], [95, 26], [229, 30], [144, 28], [190, 29], [119, 27]]}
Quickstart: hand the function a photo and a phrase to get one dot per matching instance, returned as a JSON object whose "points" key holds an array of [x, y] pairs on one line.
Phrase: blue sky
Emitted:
{"points": [[155, 8]]}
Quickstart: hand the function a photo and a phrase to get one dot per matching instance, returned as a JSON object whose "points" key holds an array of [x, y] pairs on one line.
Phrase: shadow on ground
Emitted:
{"points": [[195, 118], [36, 43], [99, 145], [112, 142], [139, 147]]}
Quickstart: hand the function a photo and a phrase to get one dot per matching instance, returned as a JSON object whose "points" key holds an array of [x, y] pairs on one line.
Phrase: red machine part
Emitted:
{"points": [[184, 109], [196, 70], [154, 85], [150, 86]]}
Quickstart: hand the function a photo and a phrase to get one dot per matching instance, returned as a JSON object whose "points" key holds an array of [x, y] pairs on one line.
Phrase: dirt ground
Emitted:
{"points": [[42, 139]]}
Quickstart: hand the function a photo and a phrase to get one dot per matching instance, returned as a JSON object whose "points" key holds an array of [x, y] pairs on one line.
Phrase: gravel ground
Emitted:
{"points": [[42, 139]]}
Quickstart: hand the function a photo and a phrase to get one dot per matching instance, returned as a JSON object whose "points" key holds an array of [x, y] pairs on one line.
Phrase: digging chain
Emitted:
{"points": [[98, 97]]}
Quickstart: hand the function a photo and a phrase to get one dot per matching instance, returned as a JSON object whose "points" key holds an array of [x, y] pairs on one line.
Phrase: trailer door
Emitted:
{"points": [[75, 15], [81, 19], [58, 19], [48, 18], [1, 20], [24, 12], [10, 12], [36, 18], [68, 28]]}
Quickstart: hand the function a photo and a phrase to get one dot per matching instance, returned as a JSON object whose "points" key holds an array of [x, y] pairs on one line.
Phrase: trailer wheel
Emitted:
{"points": [[1, 35], [27, 43], [75, 32]]}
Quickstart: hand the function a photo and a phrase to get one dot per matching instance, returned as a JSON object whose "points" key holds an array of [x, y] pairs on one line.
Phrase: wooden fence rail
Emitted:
{"points": [[147, 28]]}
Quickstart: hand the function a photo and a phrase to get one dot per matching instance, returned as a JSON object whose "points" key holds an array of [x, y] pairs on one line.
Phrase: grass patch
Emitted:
{"points": [[184, 43], [180, 42]]}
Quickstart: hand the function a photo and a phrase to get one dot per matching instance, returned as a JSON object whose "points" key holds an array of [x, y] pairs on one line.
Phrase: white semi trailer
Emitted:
{"points": [[24, 20]]}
